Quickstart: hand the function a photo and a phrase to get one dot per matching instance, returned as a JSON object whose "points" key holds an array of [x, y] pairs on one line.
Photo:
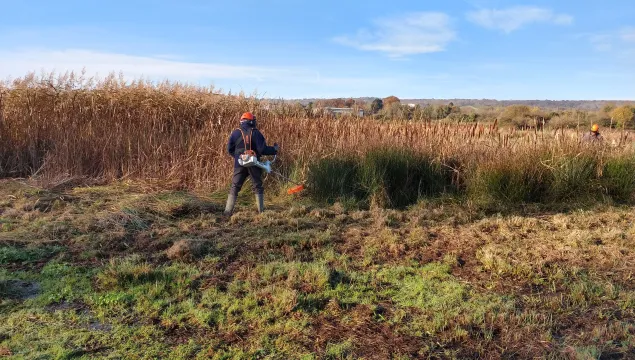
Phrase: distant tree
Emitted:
{"points": [[309, 109], [443, 111], [339, 102], [622, 115], [396, 111], [451, 109], [513, 111], [428, 112], [349, 103], [439, 112], [390, 100], [520, 116], [376, 106], [608, 108]]}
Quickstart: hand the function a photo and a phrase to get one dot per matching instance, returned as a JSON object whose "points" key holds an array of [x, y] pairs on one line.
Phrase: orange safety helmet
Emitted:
{"points": [[248, 116], [595, 128]]}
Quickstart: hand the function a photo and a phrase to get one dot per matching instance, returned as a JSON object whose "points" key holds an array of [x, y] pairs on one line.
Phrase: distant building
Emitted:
{"points": [[343, 111]]}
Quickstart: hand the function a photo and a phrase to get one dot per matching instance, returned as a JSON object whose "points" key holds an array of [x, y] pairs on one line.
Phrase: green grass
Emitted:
{"points": [[618, 179], [398, 178], [64, 283], [573, 178], [394, 178], [13, 254], [549, 181], [508, 184], [302, 281], [335, 179]]}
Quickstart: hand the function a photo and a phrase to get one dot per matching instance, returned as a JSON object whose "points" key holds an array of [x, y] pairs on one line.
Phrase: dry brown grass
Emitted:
{"points": [[71, 126]]}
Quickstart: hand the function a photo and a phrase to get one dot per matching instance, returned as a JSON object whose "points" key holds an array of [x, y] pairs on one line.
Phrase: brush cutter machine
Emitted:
{"points": [[249, 159]]}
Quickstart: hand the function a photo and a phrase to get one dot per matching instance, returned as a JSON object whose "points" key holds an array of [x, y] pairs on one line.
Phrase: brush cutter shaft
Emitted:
{"points": [[267, 167], [251, 160], [284, 177]]}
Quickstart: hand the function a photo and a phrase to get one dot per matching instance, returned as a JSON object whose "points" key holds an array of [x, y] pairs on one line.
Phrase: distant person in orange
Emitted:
{"points": [[593, 135]]}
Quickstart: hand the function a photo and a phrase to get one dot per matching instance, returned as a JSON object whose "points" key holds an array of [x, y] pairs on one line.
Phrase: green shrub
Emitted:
{"points": [[618, 179]]}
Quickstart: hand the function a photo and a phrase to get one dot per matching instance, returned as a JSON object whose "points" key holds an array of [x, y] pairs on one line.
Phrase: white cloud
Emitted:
{"points": [[514, 18], [563, 19], [414, 33], [602, 42], [628, 34], [620, 41], [267, 81], [19, 63]]}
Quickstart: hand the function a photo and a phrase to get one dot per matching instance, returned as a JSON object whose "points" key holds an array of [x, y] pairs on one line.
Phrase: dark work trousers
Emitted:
{"points": [[240, 175]]}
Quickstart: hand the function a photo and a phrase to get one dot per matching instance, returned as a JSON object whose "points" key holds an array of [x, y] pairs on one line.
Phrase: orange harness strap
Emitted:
{"points": [[247, 140]]}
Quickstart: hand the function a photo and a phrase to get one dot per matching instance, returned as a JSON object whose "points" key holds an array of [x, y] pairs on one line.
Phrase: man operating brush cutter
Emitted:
{"points": [[246, 145]]}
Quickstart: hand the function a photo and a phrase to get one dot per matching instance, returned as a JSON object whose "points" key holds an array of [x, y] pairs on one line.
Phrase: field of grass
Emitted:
{"points": [[130, 271], [414, 238]]}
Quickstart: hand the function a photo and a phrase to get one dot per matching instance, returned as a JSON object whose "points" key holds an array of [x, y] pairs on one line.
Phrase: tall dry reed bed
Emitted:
{"points": [[71, 126]]}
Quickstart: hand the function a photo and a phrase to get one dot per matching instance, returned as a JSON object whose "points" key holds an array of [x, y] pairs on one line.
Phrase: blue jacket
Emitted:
{"points": [[258, 142]]}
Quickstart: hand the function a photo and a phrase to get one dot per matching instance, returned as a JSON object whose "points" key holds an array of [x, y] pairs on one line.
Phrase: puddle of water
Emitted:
{"points": [[21, 290]]}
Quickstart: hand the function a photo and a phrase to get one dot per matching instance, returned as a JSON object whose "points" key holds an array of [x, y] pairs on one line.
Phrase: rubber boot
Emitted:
{"points": [[260, 202], [229, 206]]}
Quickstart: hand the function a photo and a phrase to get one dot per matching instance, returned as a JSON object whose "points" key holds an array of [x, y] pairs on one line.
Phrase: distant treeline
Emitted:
{"points": [[545, 104]]}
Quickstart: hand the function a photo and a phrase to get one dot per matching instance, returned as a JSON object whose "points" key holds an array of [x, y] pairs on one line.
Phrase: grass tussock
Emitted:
{"points": [[335, 179], [397, 178], [400, 177], [546, 179], [618, 178], [393, 178], [508, 181]]}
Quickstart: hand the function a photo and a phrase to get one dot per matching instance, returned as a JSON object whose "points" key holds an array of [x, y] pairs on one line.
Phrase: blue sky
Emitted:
{"points": [[491, 49]]}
